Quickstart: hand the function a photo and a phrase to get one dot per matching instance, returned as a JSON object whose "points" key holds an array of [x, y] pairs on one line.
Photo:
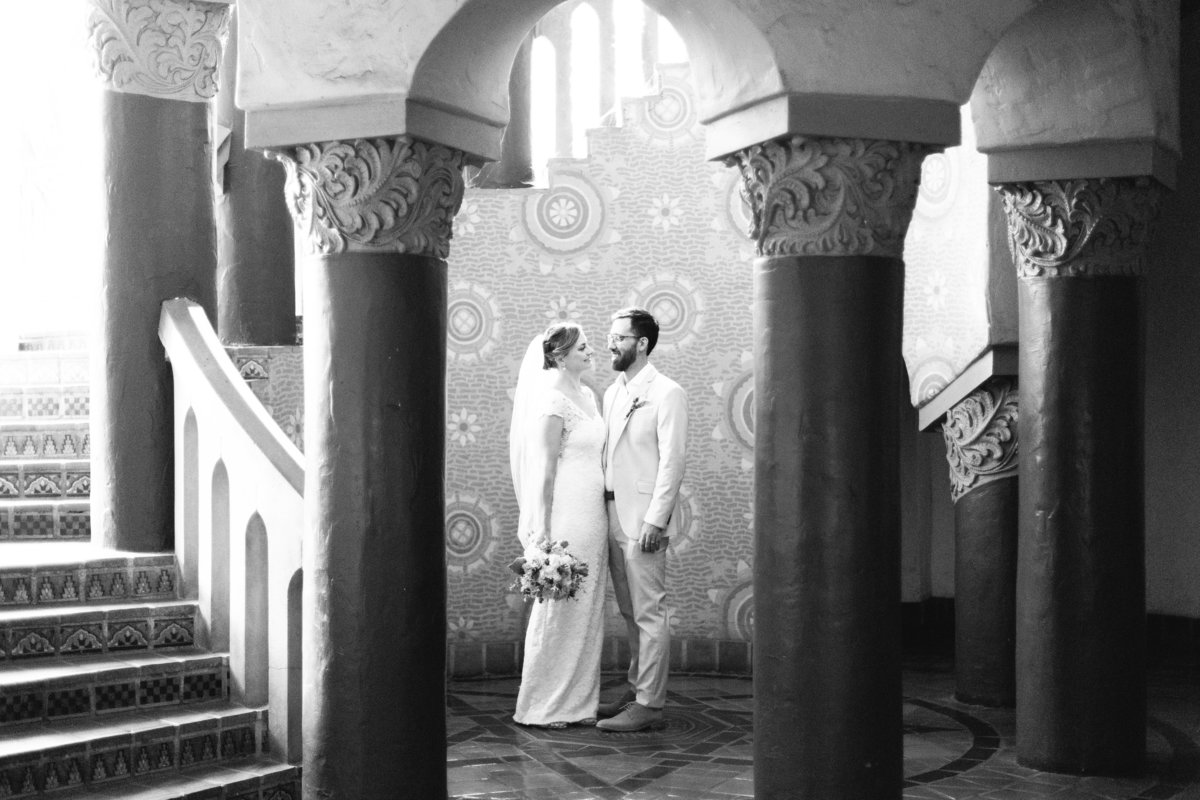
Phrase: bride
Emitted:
{"points": [[555, 446]]}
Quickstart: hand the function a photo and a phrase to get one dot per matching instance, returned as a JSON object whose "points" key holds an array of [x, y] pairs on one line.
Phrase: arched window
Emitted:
{"points": [[543, 107], [585, 76]]}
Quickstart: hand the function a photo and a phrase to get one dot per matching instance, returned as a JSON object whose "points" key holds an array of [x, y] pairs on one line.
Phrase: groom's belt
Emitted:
{"points": [[609, 495]]}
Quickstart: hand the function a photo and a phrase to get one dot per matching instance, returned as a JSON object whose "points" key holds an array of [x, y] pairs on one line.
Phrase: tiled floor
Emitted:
{"points": [[950, 750]]}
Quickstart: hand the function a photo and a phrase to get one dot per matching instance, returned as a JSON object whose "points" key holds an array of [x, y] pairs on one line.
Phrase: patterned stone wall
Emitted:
{"points": [[276, 376], [946, 260], [645, 220]]}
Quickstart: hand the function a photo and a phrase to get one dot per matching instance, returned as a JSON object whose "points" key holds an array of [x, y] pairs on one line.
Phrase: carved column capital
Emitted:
{"points": [[1086, 228], [160, 48], [374, 195], [981, 437], [830, 197]]}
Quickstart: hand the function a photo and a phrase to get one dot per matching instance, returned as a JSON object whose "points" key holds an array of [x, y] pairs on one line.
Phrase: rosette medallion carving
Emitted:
{"points": [[830, 197], [371, 195], [981, 437], [1088, 228], [160, 48]]}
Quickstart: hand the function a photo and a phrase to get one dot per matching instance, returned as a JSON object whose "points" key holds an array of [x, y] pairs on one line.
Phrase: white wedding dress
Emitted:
{"points": [[560, 679]]}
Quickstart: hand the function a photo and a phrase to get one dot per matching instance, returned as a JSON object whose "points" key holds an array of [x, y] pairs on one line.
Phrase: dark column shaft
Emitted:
{"points": [[159, 245], [255, 259], [827, 528], [985, 586], [374, 574], [1081, 704]]}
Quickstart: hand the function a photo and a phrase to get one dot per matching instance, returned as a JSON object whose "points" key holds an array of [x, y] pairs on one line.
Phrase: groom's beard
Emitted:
{"points": [[622, 360]]}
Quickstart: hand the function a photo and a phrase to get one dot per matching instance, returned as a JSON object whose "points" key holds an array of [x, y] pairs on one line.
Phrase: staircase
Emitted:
{"points": [[104, 692], [45, 477]]}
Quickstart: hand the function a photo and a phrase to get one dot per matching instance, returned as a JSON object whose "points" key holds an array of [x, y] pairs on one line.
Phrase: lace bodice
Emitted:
{"points": [[583, 429]]}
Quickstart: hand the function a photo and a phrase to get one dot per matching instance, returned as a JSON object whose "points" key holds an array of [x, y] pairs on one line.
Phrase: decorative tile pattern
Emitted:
{"points": [[115, 696], [76, 404], [41, 440], [20, 707], [33, 524], [146, 578], [156, 691], [68, 702], [112, 631], [204, 686], [276, 376]]}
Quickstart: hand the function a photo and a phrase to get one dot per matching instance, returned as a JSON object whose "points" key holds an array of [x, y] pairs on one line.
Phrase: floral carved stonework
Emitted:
{"points": [[981, 437], [1088, 228], [372, 195], [160, 48], [822, 196]]}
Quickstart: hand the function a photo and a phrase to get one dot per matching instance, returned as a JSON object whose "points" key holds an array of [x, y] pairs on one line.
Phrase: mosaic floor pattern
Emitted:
{"points": [[951, 751]]}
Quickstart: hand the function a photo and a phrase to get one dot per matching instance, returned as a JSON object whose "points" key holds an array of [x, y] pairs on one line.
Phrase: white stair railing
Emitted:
{"points": [[239, 514]]}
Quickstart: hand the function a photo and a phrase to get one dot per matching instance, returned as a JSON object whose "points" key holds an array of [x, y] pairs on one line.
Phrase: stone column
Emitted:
{"points": [[829, 218], [1081, 682], [377, 214], [158, 60], [981, 447], [256, 265]]}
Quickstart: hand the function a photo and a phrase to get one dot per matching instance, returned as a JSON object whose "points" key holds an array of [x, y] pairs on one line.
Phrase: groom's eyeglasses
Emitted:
{"points": [[616, 338]]}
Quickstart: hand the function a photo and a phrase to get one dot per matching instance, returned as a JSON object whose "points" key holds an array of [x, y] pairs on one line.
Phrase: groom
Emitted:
{"points": [[646, 416]]}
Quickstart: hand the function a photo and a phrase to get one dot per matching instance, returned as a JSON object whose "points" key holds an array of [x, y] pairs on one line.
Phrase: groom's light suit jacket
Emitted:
{"points": [[646, 448]]}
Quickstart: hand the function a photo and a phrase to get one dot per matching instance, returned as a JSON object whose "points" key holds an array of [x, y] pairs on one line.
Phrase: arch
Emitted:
{"points": [[459, 92], [295, 674], [255, 632], [1081, 89], [218, 606], [189, 548]]}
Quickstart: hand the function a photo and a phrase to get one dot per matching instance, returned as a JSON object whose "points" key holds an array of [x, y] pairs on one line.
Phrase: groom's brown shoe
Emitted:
{"points": [[606, 710], [635, 717]]}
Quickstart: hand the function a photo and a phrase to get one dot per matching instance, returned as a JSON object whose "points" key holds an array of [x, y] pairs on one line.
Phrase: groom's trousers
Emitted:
{"points": [[640, 584]]}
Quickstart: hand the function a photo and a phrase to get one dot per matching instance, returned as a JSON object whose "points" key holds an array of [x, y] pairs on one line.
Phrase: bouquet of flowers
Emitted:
{"points": [[548, 572]]}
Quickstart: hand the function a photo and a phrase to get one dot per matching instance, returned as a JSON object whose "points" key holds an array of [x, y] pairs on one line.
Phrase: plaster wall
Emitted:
{"points": [[1082, 71], [1172, 295]]}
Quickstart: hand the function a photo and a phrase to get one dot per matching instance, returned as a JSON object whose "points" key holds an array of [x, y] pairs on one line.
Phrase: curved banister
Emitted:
{"points": [[188, 337], [239, 518]]}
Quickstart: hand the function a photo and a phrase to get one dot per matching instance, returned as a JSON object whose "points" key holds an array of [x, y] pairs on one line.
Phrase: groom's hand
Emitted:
{"points": [[651, 538]]}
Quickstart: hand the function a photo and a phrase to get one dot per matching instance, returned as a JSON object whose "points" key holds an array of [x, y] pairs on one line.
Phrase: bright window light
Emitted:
{"points": [[629, 18], [585, 76], [542, 107], [671, 49]]}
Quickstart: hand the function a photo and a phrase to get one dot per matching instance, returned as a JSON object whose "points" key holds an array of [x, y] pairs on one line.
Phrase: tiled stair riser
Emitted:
{"points": [[111, 691], [44, 368], [47, 479], [32, 442], [140, 753], [60, 520], [102, 631], [152, 578], [44, 402]]}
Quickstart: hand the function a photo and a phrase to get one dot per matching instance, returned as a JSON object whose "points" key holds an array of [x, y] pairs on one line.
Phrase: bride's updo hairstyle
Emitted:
{"points": [[559, 339]]}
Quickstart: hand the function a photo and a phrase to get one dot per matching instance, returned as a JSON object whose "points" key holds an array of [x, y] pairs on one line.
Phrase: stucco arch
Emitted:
{"points": [[459, 93], [1082, 88], [313, 71]]}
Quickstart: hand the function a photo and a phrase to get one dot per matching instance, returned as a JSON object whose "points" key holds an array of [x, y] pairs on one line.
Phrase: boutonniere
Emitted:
{"points": [[634, 406]]}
